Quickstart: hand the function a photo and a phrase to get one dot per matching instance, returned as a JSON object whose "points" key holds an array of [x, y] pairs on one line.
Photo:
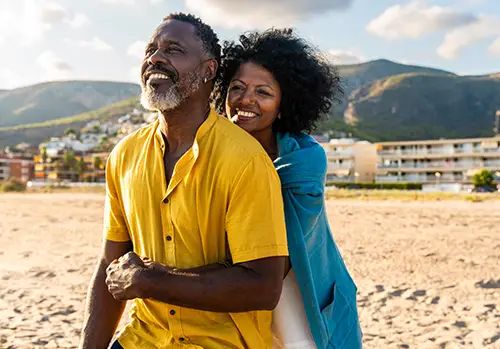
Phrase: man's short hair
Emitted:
{"points": [[203, 31]]}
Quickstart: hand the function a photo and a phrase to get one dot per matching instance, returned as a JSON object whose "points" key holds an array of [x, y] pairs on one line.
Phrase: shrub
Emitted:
{"points": [[381, 186], [13, 185], [484, 178]]}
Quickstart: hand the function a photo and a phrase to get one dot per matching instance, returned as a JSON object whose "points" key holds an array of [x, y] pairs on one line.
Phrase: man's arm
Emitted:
{"points": [[254, 285], [102, 312]]}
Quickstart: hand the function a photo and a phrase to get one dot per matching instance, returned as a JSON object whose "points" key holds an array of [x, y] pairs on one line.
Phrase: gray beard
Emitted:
{"points": [[177, 94]]}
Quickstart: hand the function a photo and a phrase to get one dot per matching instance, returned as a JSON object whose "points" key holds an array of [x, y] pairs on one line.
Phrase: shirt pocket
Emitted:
{"points": [[340, 318]]}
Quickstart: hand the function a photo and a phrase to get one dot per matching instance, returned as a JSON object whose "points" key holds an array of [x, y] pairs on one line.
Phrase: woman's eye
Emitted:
{"points": [[235, 88], [263, 92]]}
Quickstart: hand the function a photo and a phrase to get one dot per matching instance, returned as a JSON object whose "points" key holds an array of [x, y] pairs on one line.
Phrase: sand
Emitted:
{"points": [[428, 273]]}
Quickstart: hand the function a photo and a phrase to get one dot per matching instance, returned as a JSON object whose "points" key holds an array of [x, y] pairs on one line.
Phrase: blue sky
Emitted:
{"points": [[44, 40]]}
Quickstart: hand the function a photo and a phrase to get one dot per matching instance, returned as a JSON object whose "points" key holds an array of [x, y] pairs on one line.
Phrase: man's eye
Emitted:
{"points": [[174, 49]]}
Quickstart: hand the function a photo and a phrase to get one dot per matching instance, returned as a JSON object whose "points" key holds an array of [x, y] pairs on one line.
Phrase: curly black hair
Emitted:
{"points": [[309, 83], [203, 31]]}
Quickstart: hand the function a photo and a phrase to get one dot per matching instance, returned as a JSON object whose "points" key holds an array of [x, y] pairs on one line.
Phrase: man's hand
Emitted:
{"points": [[123, 277]]}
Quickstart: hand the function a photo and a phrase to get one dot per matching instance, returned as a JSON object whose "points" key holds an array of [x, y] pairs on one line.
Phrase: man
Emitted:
{"points": [[187, 192]]}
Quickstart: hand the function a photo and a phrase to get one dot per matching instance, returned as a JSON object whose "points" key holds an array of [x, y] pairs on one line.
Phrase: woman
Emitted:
{"points": [[276, 87]]}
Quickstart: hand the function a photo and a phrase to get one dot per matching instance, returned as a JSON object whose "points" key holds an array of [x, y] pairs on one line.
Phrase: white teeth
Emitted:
{"points": [[158, 76], [247, 114]]}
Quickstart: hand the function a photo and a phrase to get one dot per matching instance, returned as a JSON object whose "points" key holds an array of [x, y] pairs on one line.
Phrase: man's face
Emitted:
{"points": [[171, 69]]}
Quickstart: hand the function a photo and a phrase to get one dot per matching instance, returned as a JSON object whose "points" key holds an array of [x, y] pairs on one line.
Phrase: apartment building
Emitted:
{"points": [[16, 166], [350, 160], [437, 161], [56, 168]]}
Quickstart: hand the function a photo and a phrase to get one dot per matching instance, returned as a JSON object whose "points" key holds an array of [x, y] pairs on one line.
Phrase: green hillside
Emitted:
{"points": [[356, 75], [425, 106], [38, 132], [52, 100]]}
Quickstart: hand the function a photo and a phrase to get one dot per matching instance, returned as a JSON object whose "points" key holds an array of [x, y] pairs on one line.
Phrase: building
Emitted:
{"points": [[351, 160], [16, 166], [437, 161], [57, 169]]}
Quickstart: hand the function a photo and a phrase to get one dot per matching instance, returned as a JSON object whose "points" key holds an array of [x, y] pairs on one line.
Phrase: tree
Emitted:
{"points": [[69, 163], [44, 156], [484, 178], [97, 166], [69, 131], [81, 167]]}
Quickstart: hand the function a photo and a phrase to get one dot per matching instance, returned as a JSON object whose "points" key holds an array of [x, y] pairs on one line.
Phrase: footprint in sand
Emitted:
{"points": [[488, 284]]}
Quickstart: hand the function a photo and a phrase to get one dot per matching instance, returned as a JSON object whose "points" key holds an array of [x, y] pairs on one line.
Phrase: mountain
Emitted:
{"points": [[424, 106], [38, 132], [52, 100], [356, 75]]}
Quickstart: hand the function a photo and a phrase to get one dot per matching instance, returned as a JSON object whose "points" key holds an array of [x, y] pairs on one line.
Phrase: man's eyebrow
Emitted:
{"points": [[165, 40]]}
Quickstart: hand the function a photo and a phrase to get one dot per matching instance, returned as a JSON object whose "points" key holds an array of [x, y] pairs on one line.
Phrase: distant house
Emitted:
{"points": [[16, 166], [124, 118]]}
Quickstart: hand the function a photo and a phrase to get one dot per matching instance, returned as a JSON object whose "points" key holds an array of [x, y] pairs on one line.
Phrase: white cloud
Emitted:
{"points": [[494, 48], [79, 20], [137, 49], [7, 79], [460, 38], [28, 20], [129, 2], [135, 74], [96, 44], [416, 19], [344, 57], [249, 14], [54, 67], [119, 2]]}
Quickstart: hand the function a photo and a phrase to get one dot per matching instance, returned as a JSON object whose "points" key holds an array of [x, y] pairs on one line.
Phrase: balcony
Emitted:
{"points": [[340, 153], [346, 166], [495, 164], [388, 166], [442, 164]]}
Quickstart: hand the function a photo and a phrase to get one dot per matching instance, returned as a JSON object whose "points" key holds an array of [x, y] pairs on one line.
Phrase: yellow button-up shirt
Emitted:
{"points": [[224, 195]]}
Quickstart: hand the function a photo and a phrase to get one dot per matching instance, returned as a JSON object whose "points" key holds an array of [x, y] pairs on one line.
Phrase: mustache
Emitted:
{"points": [[160, 68]]}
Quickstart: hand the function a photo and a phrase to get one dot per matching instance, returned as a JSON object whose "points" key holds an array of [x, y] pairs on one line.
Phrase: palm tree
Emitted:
{"points": [[69, 162], [44, 157], [97, 166], [80, 167]]}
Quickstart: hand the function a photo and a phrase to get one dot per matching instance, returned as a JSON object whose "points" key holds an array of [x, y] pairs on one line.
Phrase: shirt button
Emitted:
{"points": [[165, 201], [172, 312], [169, 238], [181, 339]]}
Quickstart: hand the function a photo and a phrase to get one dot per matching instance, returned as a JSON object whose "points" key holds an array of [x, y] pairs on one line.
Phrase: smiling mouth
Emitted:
{"points": [[242, 114], [157, 78]]}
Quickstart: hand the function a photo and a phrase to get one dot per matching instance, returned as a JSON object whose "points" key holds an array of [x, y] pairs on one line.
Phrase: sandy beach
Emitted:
{"points": [[428, 273]]}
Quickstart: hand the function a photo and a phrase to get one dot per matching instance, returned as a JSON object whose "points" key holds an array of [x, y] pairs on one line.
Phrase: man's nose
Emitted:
{"points": [[157, 57]]}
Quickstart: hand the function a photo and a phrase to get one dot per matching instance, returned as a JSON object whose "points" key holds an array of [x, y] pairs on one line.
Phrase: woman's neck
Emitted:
{"points": [[267, 139]]}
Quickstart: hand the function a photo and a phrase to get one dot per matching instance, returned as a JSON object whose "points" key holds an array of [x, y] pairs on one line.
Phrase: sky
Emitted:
{"points": [[44, 40]]}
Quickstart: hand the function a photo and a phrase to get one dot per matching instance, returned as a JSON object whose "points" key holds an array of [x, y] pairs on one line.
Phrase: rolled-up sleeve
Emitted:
{"points": [[255, 222], [115, 228]]}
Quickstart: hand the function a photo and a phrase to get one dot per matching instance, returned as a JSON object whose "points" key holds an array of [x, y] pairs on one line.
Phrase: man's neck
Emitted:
{"points": [[179, 126]]}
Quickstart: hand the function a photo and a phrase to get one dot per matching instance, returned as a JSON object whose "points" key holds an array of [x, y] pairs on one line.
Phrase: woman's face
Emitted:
{"points": [[253, 98]]}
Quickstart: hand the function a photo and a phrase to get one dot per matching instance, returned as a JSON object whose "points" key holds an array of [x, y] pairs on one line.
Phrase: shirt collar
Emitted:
{"points": [[202, 131]]}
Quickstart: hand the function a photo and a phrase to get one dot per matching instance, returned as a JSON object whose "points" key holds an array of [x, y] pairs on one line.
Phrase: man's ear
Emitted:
{"points": [[211, 70]]}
